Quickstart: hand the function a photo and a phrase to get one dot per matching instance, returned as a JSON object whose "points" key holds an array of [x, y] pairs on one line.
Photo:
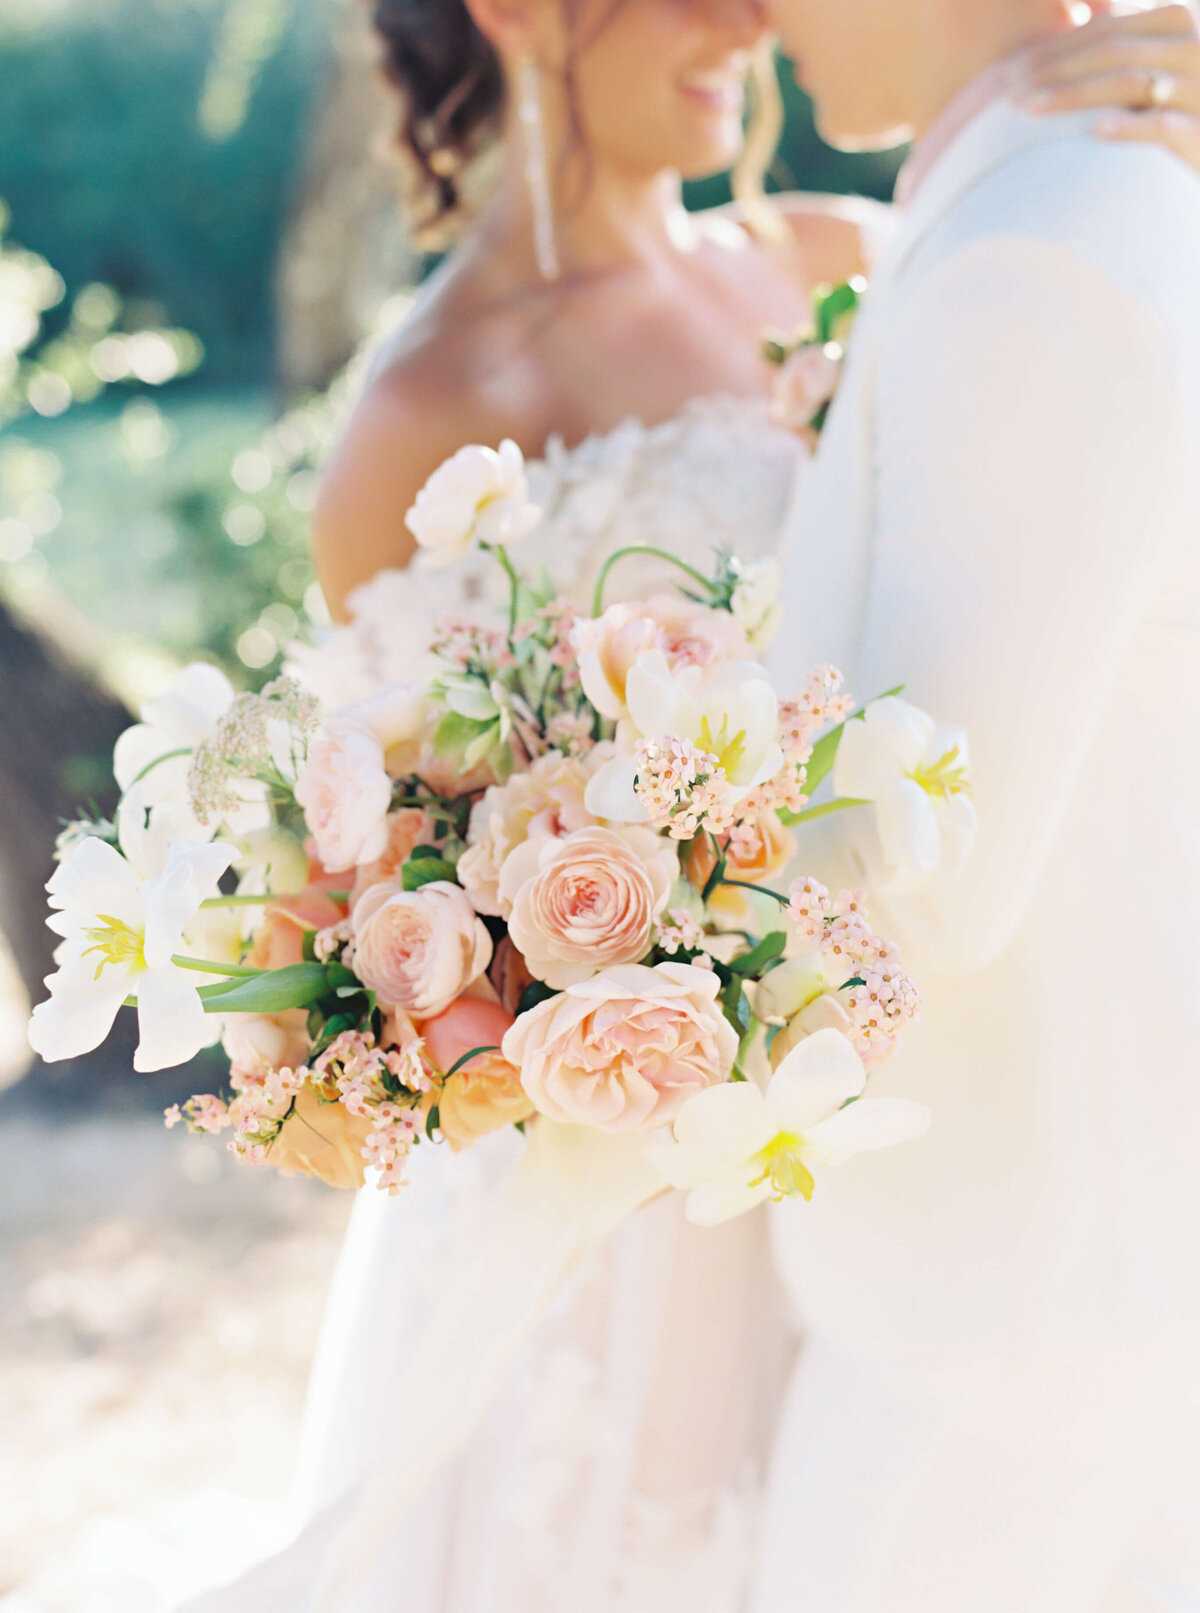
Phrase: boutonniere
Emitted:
{"points": [[809, 362]]}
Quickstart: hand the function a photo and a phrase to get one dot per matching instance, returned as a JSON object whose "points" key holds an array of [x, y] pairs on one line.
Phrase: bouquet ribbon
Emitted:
{"points": [[570, 1189]]}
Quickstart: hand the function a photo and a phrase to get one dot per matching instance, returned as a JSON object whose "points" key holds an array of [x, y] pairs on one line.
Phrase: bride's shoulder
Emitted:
{"points": [[449, 374]]}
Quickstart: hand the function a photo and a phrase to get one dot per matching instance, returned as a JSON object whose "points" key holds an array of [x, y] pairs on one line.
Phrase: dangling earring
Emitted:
{"points": [[537, 169]]}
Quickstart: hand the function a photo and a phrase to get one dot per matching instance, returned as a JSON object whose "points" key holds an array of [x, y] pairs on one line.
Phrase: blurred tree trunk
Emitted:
{"points": [[345, 249], [57, 730]]}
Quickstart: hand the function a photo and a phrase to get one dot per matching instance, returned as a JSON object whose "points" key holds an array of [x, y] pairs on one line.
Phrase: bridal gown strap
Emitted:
{"points": [[620, 1465]]}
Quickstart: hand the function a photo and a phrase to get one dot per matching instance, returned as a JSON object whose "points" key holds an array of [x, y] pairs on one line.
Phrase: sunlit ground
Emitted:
{"points": [[160, 1306]]}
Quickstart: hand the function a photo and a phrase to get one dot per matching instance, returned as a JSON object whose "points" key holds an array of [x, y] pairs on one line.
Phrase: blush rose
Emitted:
{"points": [[624, 1051], [418, 950]]}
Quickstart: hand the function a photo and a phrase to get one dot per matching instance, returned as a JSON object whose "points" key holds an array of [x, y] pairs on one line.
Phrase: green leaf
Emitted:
{"points": [[537, 991], [298, 986], [424, 871], [419, 852], [467, 1057], [455, 733], [432, 1122], [735, 1006], [820, 763], [755, 961], [338, 975], [842, 803], [834, 308]]}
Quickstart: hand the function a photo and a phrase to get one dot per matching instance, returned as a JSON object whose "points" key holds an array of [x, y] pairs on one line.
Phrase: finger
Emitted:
{"points": [[1163, 22], [1127, 91], [1176, 131], [1178, 57]]}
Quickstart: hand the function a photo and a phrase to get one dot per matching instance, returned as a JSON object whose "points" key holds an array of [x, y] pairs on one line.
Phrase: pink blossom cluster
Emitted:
{"points": [[557, 620], [389, 1143], [464, 643], [877, 995], [571, 732], [357, 1065], [204, 1112], [683, 789], [259, 1109], [679, 930]]}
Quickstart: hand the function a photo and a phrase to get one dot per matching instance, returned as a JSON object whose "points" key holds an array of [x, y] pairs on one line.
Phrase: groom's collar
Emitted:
{"points": [[980, 132]]}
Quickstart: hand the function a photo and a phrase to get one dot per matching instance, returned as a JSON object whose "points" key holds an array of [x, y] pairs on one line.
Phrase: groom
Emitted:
{"points": [[997, 1405]]}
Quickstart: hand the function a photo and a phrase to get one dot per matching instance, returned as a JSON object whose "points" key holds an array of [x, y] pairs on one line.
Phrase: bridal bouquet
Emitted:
{"points": [[537, 889]]}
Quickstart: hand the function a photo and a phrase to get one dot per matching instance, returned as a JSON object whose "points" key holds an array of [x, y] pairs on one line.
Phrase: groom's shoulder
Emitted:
{"points": [[1130, 212]]}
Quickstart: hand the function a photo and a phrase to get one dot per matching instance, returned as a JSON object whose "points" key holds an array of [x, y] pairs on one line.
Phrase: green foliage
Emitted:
{"points": [[154, 145]]}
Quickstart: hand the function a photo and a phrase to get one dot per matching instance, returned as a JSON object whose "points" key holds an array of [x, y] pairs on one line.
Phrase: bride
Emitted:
{"points": [[621, 1466]]}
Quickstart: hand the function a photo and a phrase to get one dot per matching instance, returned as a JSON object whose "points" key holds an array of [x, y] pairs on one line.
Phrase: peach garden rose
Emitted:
{"points": [[625, 1050], [588, 901], [418, 950], [487, 1092], [544, 801], [688, 634]]}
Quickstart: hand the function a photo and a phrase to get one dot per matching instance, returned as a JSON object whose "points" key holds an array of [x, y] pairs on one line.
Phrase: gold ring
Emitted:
{"points": [[1160, 90]]}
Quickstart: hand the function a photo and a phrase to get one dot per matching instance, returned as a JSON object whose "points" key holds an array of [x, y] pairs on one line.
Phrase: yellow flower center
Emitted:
{"points": [[729, 749], [946, 777], [117, 943], [782, 1166]]}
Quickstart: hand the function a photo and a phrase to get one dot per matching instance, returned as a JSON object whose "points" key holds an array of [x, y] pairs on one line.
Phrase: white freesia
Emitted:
{"points": [[735, 1145], [917, 773], [755, 605], [728, 709], [121, 932], [478, 494]]}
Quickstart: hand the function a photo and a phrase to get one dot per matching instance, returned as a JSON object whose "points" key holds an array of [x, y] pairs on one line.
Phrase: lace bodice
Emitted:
{"points": [[717, 475]]}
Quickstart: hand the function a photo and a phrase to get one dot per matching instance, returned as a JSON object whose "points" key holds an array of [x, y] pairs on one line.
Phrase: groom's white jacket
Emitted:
{"points": [[1005, 516]]}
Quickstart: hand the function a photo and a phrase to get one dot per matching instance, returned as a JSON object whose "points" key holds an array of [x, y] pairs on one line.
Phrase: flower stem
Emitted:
{"points": [[763, 890], [842, 804], [205, 966], [647, 549], [514, 582], [167, 756]]}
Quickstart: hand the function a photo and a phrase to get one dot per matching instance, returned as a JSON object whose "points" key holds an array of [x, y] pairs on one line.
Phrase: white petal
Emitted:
{"points": [[908, 826], [723, 1124], [904, 730], [718, 1202], [171, 1019], [610, 792], [813, 1082], [79, 1013], [189, 709], [869, 1124], [658, 702], [190, 877], [95, 879], [863, 768]]}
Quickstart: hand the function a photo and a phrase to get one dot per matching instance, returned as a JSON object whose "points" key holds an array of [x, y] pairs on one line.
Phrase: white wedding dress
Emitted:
{"points": [[621, 1465]]}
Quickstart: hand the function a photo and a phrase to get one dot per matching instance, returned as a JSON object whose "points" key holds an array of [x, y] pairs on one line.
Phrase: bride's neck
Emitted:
{"points": [[603, 221], [962, 41]]}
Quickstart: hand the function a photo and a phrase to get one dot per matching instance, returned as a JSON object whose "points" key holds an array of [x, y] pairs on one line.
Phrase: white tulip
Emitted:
{"points": [[917, 773], [735, 1145], [728, 709], [121, 931], [155, 754], [478, 494]]}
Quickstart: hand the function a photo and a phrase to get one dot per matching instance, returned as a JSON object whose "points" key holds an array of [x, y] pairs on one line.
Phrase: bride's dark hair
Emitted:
{"points": [[451, 91], [451, 88]]}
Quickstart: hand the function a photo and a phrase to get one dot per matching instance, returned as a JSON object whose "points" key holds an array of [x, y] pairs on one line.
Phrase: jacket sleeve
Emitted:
{"points": [[1031, 485]]}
